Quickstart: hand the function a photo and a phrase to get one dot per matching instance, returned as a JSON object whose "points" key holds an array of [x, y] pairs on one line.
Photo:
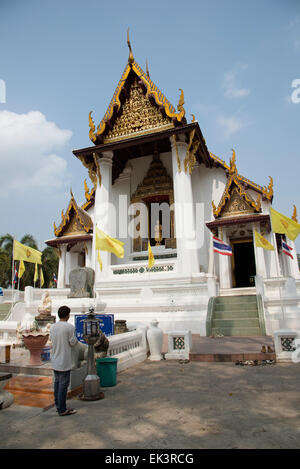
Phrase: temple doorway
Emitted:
{"points": [[243, 263]]}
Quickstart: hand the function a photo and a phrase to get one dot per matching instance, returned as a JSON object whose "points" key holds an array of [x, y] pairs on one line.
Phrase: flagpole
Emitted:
{"points": [[13, 272], [19, 277]]}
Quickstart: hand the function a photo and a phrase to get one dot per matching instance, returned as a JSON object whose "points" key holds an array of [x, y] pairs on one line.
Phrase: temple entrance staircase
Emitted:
{"points": [[235, 314]]}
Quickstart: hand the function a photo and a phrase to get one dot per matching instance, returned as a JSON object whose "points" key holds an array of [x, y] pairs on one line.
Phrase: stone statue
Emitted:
{"points": [[45, 308], [158, 233], [101, 346], [44, 311], [82, 283]]}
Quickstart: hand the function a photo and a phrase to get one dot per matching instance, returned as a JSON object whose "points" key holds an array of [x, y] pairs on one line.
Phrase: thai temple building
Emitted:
{"points": [[154, 181]]}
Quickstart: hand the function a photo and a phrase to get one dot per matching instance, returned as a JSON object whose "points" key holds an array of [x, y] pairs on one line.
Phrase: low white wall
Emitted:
{"points": [[129, 348]]}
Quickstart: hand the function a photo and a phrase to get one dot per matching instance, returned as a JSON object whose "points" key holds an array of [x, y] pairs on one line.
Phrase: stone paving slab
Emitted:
{"points": [[157, 405]]}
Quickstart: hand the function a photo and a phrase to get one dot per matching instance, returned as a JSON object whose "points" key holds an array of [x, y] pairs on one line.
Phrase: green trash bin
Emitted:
{"points": [[107, 371]]}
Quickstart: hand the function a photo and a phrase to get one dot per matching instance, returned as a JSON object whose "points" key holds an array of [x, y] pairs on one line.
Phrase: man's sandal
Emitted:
{"points": [[68, 412]]}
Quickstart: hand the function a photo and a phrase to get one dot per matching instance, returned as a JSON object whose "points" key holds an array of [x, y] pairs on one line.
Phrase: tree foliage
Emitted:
{"points": [[49, 263]]}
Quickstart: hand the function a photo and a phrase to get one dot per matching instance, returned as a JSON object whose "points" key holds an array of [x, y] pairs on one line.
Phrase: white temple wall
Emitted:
{"points": [[208, 184]]}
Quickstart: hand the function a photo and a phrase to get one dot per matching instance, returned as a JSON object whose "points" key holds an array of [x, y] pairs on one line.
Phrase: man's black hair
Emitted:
{"points": [[63, 312]]}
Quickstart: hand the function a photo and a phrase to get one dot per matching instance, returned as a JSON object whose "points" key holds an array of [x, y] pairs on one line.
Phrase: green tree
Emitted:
{"points": [[6, 247], [50, 261]]}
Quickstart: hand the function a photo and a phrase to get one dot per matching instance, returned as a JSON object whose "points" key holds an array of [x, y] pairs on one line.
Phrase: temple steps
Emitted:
{"points": [[235, 316]]}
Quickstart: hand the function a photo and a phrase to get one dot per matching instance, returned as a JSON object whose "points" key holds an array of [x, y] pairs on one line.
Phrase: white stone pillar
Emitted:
{"points": [[294, 268], [102, 212], [260, 264], [123, 188], [61, 283], [225, 267], [184, 210]]}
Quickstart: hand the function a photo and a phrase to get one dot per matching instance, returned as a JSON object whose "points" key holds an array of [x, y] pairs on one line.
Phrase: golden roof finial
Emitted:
{"points": [[233, 169], [130, 58], [147, 68], [71, 193], [294, 217], [92, 128], [193, 117]]}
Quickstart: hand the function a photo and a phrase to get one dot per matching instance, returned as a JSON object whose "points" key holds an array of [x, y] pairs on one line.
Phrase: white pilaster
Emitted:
{"points": [[225, 268], [294, 268], [185, 227], [61, 283], [102, 212], [259, 254]]}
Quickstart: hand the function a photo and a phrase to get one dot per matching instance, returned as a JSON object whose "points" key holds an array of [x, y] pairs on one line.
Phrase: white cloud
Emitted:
{"points": [[28, 159], [230, 86], [230, 125]]}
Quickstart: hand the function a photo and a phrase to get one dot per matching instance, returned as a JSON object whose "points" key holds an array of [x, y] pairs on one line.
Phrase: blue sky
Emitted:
{"points": [[235, 60]]}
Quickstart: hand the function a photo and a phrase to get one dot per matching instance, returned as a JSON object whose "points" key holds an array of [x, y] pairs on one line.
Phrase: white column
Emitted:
{"points": [[102, 213], [184, 210], [260, 264], [225, 268], [123, 189], [294, 268], [61, 283]]}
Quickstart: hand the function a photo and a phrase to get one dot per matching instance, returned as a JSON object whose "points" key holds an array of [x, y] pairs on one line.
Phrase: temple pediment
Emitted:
{"points": [[236, 200], [74, 222], [137, 107]]}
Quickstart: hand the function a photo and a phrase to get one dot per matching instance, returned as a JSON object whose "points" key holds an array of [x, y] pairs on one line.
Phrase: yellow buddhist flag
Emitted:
{"points": [[41, 277], [36, 274], [151, 259], [262, 242], [25, 253], [21, 269], [105, 242], [284, 225]]}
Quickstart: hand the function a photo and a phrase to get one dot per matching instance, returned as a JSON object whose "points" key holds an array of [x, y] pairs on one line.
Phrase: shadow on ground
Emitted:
{"points": [[170, 405]]}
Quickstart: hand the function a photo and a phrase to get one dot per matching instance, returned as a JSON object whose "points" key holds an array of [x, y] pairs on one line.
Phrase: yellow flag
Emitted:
{"points": [[262, 242], [42, 277], [36, 274], [105, 242], [25, 253], [284, 225], [21, 269], [151, 259]]}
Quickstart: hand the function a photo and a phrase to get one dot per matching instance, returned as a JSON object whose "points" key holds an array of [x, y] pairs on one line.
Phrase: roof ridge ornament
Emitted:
{"points": [[233, 168], [294, 216], [147, 68], [130, 58]]}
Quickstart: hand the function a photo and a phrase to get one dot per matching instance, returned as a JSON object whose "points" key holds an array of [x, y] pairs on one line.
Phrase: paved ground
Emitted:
{"points": [[171, 405]]}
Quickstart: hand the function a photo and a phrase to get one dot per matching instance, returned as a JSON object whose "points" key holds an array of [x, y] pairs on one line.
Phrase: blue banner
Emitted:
{"points": [[106, 325]]}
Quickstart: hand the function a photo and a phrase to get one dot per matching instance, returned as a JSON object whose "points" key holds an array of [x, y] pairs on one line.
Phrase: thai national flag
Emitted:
{"points": [[55, 279], [221, 248], [15, 275], [287, 249]]}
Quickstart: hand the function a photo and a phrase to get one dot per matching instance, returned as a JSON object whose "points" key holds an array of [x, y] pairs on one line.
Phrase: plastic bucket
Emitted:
{"points": [[45, 355], [107, 371]]}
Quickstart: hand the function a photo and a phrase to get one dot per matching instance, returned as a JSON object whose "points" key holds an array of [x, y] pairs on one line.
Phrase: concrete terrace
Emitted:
{"points": [[167, 404]]}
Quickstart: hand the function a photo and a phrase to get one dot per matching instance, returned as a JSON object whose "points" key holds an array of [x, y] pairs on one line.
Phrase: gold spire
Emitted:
{"points": [[92, 128], [130, 58], [294, 217], [233, 169]]}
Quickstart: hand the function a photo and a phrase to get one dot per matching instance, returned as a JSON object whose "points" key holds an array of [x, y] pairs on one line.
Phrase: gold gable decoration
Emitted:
{"points": [[266, 191], [138, 116], [104, 132], [74, 221], [235, 200]]}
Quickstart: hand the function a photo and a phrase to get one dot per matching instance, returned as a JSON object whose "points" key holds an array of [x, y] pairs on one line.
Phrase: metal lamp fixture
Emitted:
{"points": [[91, 384]]}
